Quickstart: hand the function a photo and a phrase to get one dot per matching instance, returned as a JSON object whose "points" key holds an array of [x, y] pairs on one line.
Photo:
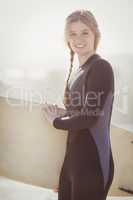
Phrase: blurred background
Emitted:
{"points": [[34, 64]]}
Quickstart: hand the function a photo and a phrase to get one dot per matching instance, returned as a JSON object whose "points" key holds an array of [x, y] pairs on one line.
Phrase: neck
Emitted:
{"points": [[83, 58]]}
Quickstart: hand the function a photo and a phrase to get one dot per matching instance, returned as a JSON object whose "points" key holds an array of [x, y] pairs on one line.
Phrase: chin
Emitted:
{"points": [[82, 53]]}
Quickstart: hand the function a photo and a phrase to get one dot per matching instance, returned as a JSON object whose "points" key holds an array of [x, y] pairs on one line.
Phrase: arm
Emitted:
{"points": [[98, 86]]}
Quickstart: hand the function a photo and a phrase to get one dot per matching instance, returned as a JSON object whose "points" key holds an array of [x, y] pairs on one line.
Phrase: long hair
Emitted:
{"points": [[66, 99], [88, 19]]}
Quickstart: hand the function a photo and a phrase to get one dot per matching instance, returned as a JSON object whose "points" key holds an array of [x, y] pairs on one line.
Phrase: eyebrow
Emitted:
{"points": [[82, 30]]}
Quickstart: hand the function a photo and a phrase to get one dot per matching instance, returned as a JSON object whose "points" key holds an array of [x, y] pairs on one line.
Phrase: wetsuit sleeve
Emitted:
{"points": [[99, 84]]}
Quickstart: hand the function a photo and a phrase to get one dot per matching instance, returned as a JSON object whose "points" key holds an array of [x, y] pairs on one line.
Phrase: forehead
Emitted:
{"points": [[78, 26]]}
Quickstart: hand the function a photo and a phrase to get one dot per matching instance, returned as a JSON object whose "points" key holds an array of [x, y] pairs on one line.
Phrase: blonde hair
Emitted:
{"points": [[86, 17]]}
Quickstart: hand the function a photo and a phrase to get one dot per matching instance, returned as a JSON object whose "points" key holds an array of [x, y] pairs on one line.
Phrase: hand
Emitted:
{"points": [[60, 111], [51, 111]]}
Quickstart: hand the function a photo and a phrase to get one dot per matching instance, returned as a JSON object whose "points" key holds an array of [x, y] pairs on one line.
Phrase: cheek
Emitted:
{"points": [[90, 41], [71, 41]]}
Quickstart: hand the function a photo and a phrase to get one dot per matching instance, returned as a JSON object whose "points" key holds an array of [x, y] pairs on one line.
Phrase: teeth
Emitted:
{"points": [[80, 46]]}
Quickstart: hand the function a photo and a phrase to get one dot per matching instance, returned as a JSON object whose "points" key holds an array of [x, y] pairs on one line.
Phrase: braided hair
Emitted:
{"points": [[66, 99]]}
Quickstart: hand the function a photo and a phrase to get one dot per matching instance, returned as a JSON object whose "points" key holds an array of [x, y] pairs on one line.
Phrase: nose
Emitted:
{"points": [[79, 39]]}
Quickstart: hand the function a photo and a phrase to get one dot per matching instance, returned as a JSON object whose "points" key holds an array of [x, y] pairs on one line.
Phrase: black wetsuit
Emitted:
{"points": [[88, 168]]}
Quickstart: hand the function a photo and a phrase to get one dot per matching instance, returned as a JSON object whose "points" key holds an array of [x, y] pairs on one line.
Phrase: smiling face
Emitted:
{"points": [[80, 38]]}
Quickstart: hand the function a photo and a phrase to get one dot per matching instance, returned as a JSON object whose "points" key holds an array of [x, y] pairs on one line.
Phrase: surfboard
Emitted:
{"points": [[31, 149], [55, 147]]}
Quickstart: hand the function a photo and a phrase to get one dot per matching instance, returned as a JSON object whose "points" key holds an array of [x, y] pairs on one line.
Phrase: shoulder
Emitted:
{"points": [[102, 67]]}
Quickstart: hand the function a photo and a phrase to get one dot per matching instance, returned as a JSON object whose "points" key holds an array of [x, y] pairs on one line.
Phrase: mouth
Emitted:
{"points": [[80, 46]]}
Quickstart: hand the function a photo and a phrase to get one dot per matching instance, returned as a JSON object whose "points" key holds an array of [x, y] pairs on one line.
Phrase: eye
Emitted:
{"points": [[72, 34], [85, 33]]}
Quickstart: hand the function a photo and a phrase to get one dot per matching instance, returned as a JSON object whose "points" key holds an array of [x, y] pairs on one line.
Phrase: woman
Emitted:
{"points": [[88, 169]]}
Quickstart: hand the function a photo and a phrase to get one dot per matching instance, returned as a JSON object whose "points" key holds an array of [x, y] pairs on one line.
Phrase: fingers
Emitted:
{"points": [[49, 107], [53, 108]]}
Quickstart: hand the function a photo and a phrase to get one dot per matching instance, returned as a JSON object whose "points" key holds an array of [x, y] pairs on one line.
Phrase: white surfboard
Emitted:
{"points": [[31, 150]]}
